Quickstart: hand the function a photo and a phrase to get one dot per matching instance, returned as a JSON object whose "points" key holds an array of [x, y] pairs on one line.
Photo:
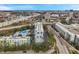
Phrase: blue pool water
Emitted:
{"points": [[24, 32]]}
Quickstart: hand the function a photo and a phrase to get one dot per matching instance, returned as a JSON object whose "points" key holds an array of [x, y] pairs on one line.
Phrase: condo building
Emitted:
{"points": [[69, 32], [11, 41], [39, 32]]}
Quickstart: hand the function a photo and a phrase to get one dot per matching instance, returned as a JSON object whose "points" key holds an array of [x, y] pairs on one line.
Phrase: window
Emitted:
{"points": [[37, 36], [40, 36], [41, 32], [37, 32]]}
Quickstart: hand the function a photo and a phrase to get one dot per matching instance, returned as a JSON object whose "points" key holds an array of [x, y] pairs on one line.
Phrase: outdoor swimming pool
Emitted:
{"points": [[23, 33]]}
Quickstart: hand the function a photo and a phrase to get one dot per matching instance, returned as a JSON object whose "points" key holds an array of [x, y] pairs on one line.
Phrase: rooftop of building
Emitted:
{"points": [[14, 38], [38, 26], [74, 28]]}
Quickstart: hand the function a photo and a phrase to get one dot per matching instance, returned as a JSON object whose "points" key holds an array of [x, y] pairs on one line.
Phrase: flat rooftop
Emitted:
{"points": [[74, 28]]}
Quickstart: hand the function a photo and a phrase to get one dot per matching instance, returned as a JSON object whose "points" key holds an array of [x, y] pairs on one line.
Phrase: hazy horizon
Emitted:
{"points": [[39, 6]]}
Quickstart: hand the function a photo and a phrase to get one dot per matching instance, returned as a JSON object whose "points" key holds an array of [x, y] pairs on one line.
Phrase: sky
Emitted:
{"points": [[39, 6]]}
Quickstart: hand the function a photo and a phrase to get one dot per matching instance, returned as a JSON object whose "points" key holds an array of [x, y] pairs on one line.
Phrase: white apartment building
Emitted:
{"points": [[11, 41], [47, 16], [65, 32], [39, 32], [69, 32]]}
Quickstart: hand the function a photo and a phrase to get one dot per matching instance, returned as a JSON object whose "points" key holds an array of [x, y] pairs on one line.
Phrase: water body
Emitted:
{"points": [[24, 32]]}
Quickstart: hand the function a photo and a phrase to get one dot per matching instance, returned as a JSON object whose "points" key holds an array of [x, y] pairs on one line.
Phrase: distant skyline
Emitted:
{"points": [[39, 6]]}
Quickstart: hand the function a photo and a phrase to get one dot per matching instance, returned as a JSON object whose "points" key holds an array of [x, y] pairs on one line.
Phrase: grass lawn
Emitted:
{"points": [[51, 39]]}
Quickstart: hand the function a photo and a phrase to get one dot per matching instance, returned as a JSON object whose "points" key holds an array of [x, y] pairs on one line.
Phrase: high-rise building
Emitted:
{"points": [[39, 32]]}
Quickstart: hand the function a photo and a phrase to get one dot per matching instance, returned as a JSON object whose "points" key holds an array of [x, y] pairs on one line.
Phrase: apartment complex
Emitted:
{"points": [[11, 41], [69, 32], [38, 32]]}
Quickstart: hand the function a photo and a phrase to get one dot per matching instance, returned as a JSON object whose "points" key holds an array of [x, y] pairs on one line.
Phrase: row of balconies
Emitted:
{"points": [[17, 40]]}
